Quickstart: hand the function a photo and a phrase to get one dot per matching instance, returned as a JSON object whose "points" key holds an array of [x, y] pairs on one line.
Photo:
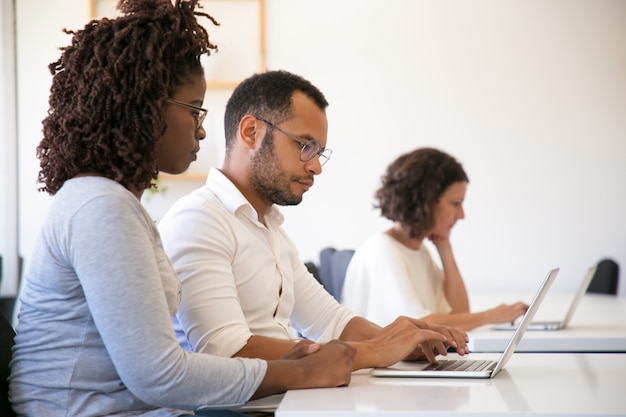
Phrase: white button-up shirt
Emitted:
{"points": [[240, 277]]}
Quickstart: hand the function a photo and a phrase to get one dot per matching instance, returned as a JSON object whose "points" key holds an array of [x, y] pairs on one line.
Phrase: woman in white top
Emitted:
{"points": [[393, 273], [95, 334]]}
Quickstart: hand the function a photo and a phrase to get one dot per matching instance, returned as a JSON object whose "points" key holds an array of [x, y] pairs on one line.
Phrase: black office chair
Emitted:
{"points": [[606, 278], [332, 270], [314, 270], [7, 334]]}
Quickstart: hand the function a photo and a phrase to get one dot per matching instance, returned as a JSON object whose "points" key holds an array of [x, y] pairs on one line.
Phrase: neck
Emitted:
{"points": [[398, 233], [260, 206], [136, 193]]}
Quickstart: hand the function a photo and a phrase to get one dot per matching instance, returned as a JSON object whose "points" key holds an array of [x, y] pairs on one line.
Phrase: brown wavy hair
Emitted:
{"points": [[412, 186], [109, 88]]}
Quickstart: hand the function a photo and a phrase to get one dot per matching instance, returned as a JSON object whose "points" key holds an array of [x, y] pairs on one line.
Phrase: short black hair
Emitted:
{"points": [[266, 95]]}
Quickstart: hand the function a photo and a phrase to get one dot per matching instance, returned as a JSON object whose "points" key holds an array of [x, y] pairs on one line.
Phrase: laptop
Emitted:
{"points": [[557, 325], [261, 406], [466, 367]]}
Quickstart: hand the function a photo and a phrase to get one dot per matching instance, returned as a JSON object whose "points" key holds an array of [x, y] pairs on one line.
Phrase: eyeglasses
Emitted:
{"points": [[309, 149], [198, 112]]}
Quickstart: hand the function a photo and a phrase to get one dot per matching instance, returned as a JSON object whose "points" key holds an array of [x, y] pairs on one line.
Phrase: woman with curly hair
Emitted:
{"points": [[95, 333], [393, 273]]}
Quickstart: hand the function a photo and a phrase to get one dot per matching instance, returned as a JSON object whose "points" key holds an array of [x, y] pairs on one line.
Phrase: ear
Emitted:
{"points": [[251, 131]]}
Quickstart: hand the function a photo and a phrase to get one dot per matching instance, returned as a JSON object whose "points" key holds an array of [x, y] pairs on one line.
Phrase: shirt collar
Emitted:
{"points": [[234, 201]]}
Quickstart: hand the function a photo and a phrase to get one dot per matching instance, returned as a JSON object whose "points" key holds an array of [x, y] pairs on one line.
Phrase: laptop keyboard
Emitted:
{"points": [[461, 365]]}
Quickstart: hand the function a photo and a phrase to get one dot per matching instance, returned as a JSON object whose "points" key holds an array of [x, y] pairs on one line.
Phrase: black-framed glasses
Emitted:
{"points": [[198, 112], [309, 148]]}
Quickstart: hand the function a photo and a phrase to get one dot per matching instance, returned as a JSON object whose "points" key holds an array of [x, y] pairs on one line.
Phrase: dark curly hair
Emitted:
{"points": [[267, 95], [412, 186], [109, 88]]}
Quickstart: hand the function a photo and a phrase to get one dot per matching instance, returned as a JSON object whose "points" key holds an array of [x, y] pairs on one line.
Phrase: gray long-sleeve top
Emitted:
{"points": [[95, 333]]}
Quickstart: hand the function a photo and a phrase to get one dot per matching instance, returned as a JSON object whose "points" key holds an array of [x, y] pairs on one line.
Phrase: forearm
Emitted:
{"points": [[308, 366], [356, 331], [280, 376], [359, 329], [456, 294], [365, 356], [267, 348], [463, 321], [454, 287]]}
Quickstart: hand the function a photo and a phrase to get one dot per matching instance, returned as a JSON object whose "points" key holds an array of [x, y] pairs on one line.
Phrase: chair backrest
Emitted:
{"points": [[332, 270], [314, 270], [606, 278], [7, 334]]}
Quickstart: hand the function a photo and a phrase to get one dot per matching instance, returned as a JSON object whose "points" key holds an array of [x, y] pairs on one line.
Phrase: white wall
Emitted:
{"points": [[39, 37], [8, 154], [529, 95]]}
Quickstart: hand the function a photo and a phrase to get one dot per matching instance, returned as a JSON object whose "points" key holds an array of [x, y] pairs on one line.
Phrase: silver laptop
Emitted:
{"points": [[557, 325], [466, 367]]}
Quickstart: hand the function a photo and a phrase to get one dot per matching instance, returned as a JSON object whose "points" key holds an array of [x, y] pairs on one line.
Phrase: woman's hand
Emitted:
{"points": [[507, 313], [323, 365], [301, 349], [309, 365]]}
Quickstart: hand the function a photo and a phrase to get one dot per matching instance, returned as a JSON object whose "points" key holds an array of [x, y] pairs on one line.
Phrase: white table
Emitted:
{"points": [[598, 325], [570, 384]]}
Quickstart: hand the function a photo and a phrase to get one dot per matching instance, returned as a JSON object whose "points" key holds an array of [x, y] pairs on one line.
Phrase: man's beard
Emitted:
{"points": [[268, 179]]}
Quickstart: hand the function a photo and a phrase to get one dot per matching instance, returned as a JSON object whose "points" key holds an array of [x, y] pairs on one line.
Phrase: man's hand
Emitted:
{"points": [[455, 338], [405, 338]]}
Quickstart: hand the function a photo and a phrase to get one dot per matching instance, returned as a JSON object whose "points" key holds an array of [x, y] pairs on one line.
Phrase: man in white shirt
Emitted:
{"points": [[245, 290]]}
